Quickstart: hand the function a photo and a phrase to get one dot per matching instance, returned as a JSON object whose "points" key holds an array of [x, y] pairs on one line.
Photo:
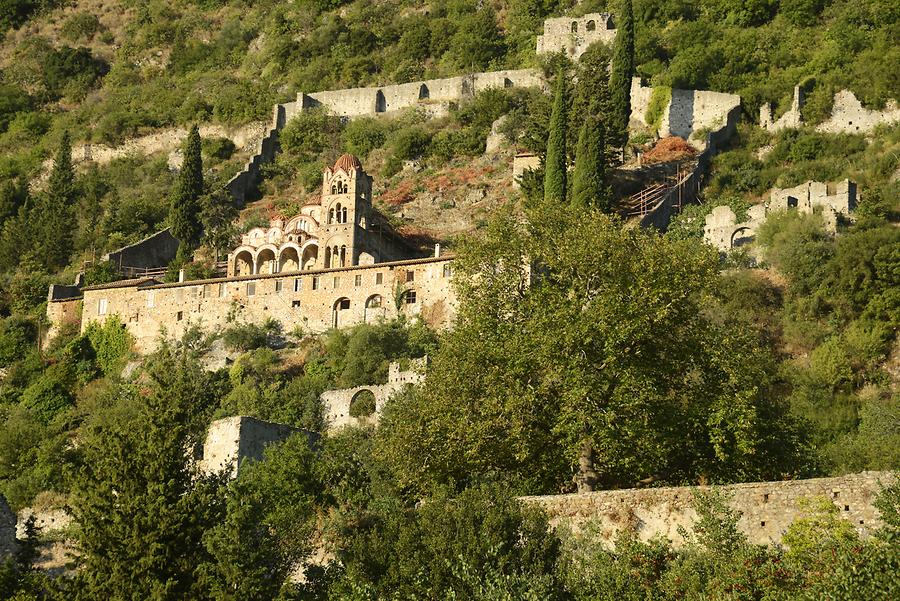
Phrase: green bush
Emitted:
{"points": [[410, 143], [111, 342], [218, 148], [362, 136], [17, 335], [248, 336], [81, 26]]}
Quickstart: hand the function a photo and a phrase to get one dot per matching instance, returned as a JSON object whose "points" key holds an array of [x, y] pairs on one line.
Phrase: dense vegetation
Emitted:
{"points": [[619, 358]]}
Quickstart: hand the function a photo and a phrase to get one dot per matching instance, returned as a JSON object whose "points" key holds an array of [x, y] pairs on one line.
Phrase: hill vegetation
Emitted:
{"points": [[631, 358]]}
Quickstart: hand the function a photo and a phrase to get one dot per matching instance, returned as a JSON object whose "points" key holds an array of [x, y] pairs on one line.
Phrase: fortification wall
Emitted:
{"points": [[767, 508], [313, 300], [848, 115], [231, 440], [337, 402]]}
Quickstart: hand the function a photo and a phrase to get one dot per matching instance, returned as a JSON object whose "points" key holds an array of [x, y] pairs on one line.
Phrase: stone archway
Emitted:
{"points": [[310, 255], [339, 311], [289, 259], [380, 102], [243, 263], [741, 237], [374, 308], [266, 261], [363, 405]]}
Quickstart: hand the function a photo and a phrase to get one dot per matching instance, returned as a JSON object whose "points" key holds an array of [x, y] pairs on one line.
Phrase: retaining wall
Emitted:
{"points": [[767, 508]]}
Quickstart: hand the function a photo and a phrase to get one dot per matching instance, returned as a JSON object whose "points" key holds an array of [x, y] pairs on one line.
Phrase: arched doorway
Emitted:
{"points": [[289, 260], [363, 405], [741, 236], [310, 255], [374, 308], [339, 311], [380, 102], [424, 94], [265, 261], [243, 263]]}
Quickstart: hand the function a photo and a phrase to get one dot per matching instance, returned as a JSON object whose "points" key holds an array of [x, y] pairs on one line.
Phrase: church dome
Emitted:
{"points": [[346, 162]]}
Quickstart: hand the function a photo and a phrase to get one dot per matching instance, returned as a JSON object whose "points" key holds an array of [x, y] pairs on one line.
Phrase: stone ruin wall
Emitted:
{"points": [[337, 402], [573, 35], [214, 304], [232, 439], [688, 113], [848, 115], [722, 230], [767, 508]]}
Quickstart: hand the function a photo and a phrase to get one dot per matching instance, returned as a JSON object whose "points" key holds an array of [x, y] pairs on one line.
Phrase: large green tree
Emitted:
{"points": [[604, 351], [555, 162], [620, 76], [142, 509], [185, 210]]}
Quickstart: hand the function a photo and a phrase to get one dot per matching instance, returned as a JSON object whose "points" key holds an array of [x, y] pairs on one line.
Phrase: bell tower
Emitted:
{"points": [[346, 201]]}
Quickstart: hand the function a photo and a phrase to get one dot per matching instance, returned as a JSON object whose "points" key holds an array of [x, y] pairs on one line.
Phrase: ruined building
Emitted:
{"points": [[573, 35], [724, 232]]}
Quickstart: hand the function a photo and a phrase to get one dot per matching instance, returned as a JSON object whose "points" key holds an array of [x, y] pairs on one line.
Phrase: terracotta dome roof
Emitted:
{"points": [[347, 162]]}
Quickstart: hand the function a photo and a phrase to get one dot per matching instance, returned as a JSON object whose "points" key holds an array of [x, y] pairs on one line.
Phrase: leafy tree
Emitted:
{"points": [[620, 76], [587, 354], [555, 163], [589, 183], [184, 213]]}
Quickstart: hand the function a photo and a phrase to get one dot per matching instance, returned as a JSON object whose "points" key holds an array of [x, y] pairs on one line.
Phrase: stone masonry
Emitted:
{"points": [[767, 508], [848, 115], [573, 35], [337, 403], [7, 530], [313, 300], [723, 231], [231, 440]]}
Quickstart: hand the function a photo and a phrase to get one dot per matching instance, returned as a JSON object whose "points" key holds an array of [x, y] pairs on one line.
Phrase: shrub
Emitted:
{"points": [[362, 136], [219, 148], [249, 336], [17, 335], [111, 342], [410, 143], [81, 25]]}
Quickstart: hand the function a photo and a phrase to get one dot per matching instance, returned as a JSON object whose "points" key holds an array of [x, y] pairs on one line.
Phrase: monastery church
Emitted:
{"points": [[341, 230], [336, 264]]}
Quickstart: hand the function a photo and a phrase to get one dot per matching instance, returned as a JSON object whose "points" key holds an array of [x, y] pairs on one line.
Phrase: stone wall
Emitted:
{"points": [[313, 300], [573, 35], [722, 230], [231, 440], [767, 508], [689, 113], [337, 402], [53, 519], [848, 115], [61, 313], [153, 252], [434, 95]]}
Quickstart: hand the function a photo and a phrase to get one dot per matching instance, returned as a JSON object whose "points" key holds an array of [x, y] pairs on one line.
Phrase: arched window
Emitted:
{"points": [[327, 257], [330, 216], [337, 213], [334, 189], [380, 102], [343, 256], [574, 26], [344, 215], [591, 25], [374, 308], [423, 92], [340, 305]]}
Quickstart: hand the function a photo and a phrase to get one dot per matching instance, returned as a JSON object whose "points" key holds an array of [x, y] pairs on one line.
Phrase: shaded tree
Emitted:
{"points": [[555, 158], [589, 182], [620, 77], [56, 209], [184, 213]]}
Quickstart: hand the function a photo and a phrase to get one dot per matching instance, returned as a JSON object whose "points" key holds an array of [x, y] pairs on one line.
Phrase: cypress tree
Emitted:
{"points": [[589, 187], [620, 77], [54, 215], [555, 160], [184, 214]]}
